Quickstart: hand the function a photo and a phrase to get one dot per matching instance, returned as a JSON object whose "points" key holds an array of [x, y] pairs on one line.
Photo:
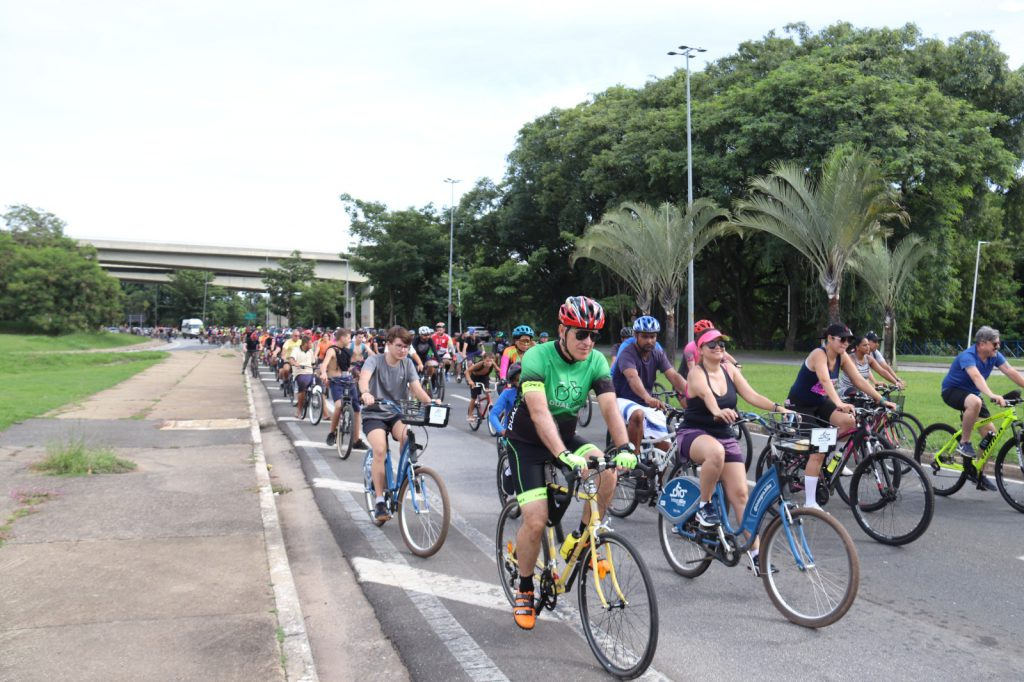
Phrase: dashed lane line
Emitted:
{"points": [[442, 585], [314, 444], [473, 660]]}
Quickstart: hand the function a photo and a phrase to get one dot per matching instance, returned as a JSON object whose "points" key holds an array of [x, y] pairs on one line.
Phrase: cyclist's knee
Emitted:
{"points": [[973, 403]]}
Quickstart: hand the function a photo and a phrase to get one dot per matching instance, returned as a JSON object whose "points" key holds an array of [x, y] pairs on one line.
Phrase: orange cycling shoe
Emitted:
{"points": [[523, 611]]}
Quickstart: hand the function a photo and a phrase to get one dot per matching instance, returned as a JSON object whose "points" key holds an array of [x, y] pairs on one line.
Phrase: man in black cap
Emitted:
{"points": [[886, 370]]}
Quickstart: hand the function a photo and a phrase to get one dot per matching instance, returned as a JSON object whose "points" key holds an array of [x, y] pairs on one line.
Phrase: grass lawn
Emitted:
{"points": [[38, 377]]}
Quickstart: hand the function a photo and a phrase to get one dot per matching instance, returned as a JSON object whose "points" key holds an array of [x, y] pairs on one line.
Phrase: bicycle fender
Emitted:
{"points": [[679, 499]]}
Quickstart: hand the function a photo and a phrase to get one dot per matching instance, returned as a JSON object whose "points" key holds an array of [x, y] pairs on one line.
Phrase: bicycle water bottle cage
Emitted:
{"points": [[679, 499]]}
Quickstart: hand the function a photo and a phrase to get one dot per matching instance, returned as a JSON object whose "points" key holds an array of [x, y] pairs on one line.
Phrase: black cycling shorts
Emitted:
{"points": [[529, 462], [821, 412], [957, 398]]}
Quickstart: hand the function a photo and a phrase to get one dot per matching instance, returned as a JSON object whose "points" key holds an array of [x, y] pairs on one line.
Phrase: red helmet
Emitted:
{"points": [[581, 311], [701, 326]]}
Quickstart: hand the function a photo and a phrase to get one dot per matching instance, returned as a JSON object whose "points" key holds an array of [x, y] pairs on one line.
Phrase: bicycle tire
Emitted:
{"points": [[833, 577], [509, 523], [944, 480], [624, 500], [505, 491], [586, 413], [684, 556], [623, 635], [1014, 492], [895, 504], [901, 434], [480, 414], [316, 407], [424, 523], [914, 422], [292, 393], [346, 426], [490, 427]]}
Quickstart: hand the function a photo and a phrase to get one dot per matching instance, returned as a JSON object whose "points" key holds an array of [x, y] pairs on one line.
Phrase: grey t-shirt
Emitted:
{"points": [[387, 382]]}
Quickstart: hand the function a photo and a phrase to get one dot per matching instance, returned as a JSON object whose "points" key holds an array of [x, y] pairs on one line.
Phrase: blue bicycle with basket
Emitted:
{"points": [[415, 493], [810, 566]]}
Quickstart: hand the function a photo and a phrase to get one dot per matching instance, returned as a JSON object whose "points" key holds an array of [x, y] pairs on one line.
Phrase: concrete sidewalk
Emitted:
{"points": [[174, 571]]}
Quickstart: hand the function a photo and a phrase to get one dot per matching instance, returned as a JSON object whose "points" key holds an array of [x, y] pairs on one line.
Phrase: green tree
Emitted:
{"points": [[886, 273], [403, 255], [651, 247], [287, 282], [321, 303], [184, 295], [828, 220]]}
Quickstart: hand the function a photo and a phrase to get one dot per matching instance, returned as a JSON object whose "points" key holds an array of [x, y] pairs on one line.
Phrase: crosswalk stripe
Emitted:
{"points": [[313, 444], [337, 484]]}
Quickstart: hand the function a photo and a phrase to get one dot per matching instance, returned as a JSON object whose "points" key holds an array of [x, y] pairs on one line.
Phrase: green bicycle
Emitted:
{"points": [[937, 449]]}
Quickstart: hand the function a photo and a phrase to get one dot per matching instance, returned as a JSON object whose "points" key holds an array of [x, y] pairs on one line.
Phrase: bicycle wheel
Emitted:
{"points": [[479, 414], [424, 512], [685, 556], [316, 407], [441, 377], [509, 521], [624, 499], [490, 426], [506, 489], [346, 423], [817, 586], [618, 607], [1010, 474], [292, 393], [901, 434], [914, 423], [947, 473], [742, 435], [460, 371], [586, 412], [891, 498]]}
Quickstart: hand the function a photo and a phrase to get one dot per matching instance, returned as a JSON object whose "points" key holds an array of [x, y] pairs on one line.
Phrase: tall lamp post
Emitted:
{"points": [[974, 295], [688, 52], [206, 281], [451, 251]]}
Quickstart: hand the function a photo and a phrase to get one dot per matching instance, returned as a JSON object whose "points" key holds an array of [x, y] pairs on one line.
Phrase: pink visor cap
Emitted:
{"points": [[710, 335]]}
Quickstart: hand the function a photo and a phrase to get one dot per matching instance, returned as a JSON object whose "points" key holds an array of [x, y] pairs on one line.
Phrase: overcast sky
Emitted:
{"points": [[239, 123]]}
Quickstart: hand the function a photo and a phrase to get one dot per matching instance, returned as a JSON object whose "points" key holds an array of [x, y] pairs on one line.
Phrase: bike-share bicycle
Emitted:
{"points": [[346, 422], [810, 566], [415, 493], [617, 605]]}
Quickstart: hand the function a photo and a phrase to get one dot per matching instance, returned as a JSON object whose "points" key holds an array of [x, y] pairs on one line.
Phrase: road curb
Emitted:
{"points": [[298, 654]]}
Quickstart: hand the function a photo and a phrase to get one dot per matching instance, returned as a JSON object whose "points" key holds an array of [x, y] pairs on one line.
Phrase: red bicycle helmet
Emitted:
{"points": [[583, 312], [701, 326]]}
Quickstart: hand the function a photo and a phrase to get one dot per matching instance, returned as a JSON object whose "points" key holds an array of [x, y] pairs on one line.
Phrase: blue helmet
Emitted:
{"points": [[646, 324], [523, 330]]}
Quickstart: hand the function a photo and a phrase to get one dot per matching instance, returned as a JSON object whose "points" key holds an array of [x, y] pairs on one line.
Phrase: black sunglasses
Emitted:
{"points": [[583, 334], [715, 344]]}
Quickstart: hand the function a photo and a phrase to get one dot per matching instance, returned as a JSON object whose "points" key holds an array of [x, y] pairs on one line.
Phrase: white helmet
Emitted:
{"points": [[424, 330]]}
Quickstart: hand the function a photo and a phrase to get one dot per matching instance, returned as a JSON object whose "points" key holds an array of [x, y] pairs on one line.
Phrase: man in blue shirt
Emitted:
{"points": [[633, 378], [966, 382]]}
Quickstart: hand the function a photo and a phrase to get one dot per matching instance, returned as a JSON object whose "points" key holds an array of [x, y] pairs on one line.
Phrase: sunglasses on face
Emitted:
{"points": [[584, 334], [528, 339], [715, 344], [997, 344]]}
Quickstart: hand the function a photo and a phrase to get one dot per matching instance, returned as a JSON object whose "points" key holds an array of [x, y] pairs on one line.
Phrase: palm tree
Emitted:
{"points": [[826, 221], [650, 248], [886, 273]]}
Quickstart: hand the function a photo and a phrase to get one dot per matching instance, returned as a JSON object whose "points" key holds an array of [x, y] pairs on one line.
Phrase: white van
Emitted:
{"points": [[190, 329]]}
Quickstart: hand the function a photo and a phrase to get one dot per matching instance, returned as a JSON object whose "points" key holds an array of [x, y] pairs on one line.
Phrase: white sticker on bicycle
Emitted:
{"points": [[437, 415], [824, 438]]}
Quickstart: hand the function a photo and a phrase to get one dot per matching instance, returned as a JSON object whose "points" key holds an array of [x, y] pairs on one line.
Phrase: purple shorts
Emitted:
{"points": [[685, 438]]}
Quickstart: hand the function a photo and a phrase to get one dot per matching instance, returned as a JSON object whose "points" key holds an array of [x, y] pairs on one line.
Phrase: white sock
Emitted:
{"points": [[810, 491], [379, 500]]}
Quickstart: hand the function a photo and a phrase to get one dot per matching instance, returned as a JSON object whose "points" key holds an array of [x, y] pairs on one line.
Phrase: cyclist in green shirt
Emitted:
{"points": [[555, 380]]}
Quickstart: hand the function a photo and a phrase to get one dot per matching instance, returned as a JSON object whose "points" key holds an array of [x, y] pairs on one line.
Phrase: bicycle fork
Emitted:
{"points": [[797, 540]]}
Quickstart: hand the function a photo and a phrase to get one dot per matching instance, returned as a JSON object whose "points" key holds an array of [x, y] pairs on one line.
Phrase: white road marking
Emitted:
{"points": [[337, 484], [460, 397], [280, 400], [1021, 557], [314, 444], [474, 661], [472, 592]]}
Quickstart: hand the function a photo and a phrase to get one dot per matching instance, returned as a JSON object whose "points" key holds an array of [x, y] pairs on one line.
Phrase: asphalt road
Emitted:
{"points": [[943, 607]]}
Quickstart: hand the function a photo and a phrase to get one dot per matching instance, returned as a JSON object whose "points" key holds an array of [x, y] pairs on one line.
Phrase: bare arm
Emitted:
{"points": [[633, 379], [543, 422], [677, 380], [745, 390], [860, 382], [819, 363]]}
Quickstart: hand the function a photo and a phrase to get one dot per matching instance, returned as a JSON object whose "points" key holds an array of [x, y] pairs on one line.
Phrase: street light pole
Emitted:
{"points": [[206, 281], [688, 52], [974, 295], [451, 252]]}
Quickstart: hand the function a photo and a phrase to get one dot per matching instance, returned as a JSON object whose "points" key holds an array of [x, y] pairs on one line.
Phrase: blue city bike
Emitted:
{"points": [[413, 492], [809, 564]]}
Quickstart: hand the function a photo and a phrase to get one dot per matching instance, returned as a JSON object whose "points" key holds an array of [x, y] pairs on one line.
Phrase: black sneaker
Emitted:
{"points": [[360, 445], [707, 517], [985, 483], [332, 437], [755, 566], [381, 514]]}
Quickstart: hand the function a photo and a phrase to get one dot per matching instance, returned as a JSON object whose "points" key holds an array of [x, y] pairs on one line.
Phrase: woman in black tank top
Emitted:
{"points": [[706, 437]]}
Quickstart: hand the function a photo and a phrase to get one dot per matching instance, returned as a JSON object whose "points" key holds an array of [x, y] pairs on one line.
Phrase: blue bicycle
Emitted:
{"points": [[810, 566], [414, 493]]}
